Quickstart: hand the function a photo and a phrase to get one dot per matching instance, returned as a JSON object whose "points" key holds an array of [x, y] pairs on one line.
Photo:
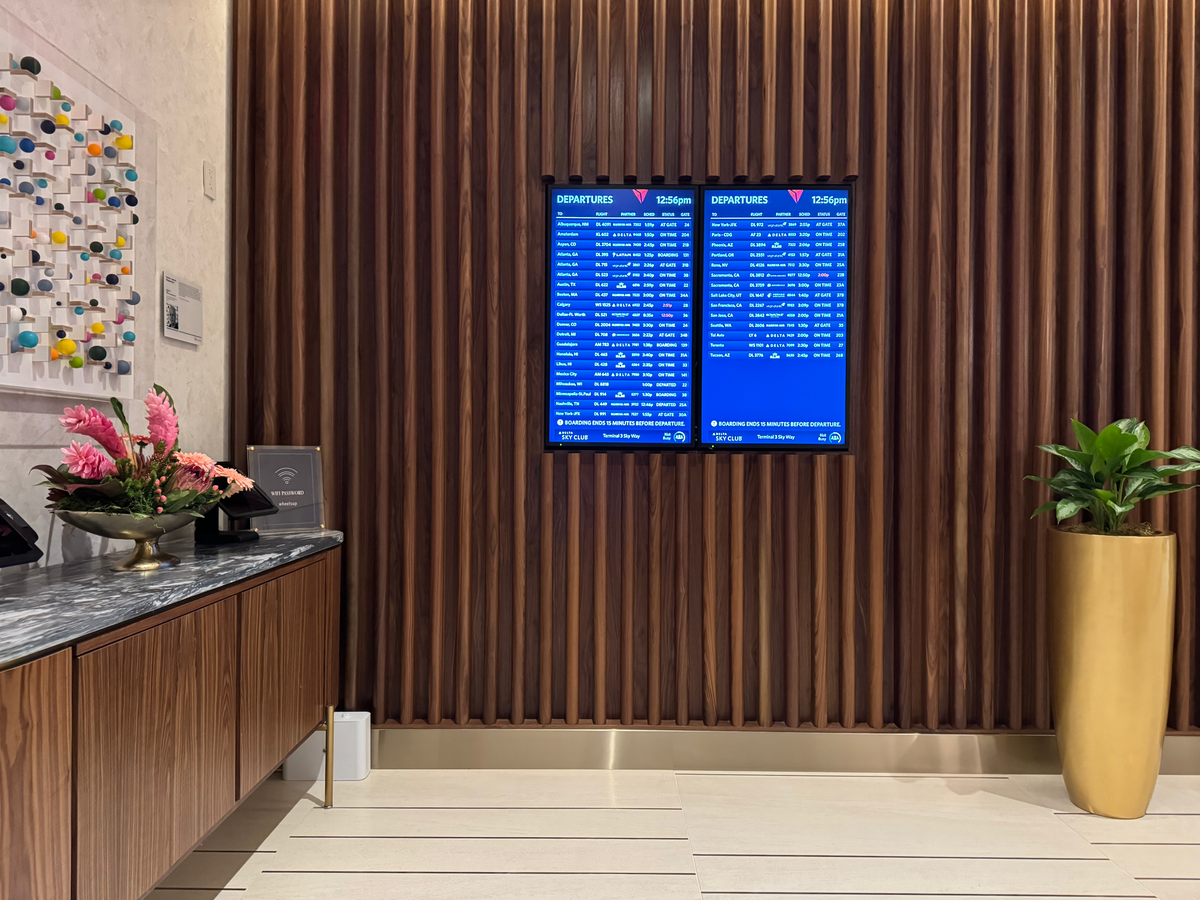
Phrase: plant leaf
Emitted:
{"points": [[1113, 444], [119, 409], [51, 473], [1085, 436], [1106, 496], [1077, 458], [1142, 456], [1069, 506], [1143, 435], [1150, 491], [1126, 425], [1184, 452], [1044, 508]]}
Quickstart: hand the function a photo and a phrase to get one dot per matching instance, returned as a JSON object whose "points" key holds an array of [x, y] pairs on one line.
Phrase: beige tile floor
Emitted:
{"points": [[628, 835]]}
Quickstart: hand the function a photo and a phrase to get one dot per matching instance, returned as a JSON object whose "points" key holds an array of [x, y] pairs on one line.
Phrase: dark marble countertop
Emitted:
{"points": [[45, 609]]}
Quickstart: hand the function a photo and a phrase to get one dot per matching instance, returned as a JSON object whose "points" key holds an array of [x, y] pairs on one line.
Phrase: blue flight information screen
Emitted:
{"points": [[620, 316], [774, 304]]}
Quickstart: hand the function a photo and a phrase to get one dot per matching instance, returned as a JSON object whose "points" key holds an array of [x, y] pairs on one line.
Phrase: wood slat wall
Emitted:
{"points": [[1024, 246]]}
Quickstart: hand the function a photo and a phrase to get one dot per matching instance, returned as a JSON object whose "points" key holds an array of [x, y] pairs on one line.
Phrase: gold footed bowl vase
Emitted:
{"points": [[146, 555], [1113, 611]]}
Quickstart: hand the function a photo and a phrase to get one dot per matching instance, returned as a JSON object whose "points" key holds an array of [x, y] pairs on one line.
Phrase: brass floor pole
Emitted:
{"points": [[329, 757]]}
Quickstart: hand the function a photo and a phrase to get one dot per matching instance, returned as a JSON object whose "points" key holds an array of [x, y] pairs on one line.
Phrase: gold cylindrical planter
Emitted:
{"points": [[1112, 602]]}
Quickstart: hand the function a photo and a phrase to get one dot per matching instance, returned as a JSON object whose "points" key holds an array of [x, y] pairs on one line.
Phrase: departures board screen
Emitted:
{"points": [[774, 316], [619, 317]]}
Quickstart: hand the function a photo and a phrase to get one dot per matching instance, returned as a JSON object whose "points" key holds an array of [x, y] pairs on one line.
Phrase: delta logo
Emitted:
{"points": [[640, 193], [796, 193]]}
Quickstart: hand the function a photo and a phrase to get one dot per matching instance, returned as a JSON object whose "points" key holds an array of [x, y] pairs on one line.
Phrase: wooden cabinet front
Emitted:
{"points": [[35, 779], [156, 749], [284, 651]]}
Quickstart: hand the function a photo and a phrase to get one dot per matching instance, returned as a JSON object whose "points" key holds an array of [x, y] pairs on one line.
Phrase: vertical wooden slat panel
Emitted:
{"points": [[241, 238], [355, 507], [520, 376], [575, 114], [654, 631], [737, 587], [1071, 323], [384, 376], [603, 98], [825, 89], [600, 589], [1020, 357], [853, 76], [682, 713], [1159, 173], [796, 114], [1132, 177], [964, 331], [714, 91], [631, 90], [628, 566], [741, 137], [876, 361], [764, 589], [437, 312], [710, 589], [936, 536], [908, 563], [1185, 396], [297, 367], [409, 245], [990, 369], [1102, 216], [548, 86], [770, 39], [546, 588], [849, 604], [493, 474], [573, 504], [658, 126], [791, 499], [820, 590], [466, 353], [269, 291], [686, 36], [1047, 381], [325, 261]]}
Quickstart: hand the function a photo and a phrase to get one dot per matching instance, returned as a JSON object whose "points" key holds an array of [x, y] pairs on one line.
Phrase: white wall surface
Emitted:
{"points": [[170, 60]]}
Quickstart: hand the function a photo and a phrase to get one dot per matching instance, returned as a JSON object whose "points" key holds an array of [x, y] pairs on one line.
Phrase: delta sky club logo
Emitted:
{"points": [[796, 194], [640, 193]]}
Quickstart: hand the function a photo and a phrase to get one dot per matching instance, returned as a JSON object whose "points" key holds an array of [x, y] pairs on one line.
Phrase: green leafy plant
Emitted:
{"points": [[1112, 472]]}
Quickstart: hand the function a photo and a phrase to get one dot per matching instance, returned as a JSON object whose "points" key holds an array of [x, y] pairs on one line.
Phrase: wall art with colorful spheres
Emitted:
{"points": [[68, 217]]}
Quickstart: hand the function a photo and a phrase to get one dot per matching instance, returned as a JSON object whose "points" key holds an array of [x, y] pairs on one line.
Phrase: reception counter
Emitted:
{"points": [[144, 707]]}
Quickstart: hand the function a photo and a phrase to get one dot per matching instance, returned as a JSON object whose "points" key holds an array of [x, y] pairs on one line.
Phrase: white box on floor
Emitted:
{"points": [[351, 751]]}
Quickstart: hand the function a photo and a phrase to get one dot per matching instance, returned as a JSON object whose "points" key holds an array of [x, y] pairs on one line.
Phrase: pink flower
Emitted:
{"points": [[159, 509], [200, 463], [162, 419], [188, 480], [94, 424], [86, 461], [194, 472], [237, 481]]}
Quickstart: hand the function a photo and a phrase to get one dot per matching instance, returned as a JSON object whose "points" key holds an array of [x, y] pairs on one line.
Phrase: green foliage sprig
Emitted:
{"points": [[1112, 472]]}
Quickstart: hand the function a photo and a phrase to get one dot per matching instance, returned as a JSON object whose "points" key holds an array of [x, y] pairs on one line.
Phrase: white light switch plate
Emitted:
{"points": [[210, 181]]}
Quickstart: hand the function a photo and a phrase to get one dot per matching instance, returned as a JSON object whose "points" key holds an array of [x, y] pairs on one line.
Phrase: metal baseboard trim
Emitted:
{"points": [[680, 750]]}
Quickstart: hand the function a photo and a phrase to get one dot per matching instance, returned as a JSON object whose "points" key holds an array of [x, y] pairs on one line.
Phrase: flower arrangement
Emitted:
{"points": [[138, 475]]}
